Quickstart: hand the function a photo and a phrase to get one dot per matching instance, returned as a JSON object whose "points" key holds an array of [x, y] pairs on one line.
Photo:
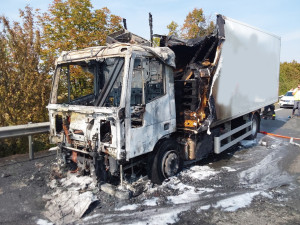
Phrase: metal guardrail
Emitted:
{"points": [[25, 130]]}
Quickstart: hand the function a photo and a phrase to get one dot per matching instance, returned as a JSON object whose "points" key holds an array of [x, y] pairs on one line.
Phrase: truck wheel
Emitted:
{"points": [[254, 127], [165, 162]]}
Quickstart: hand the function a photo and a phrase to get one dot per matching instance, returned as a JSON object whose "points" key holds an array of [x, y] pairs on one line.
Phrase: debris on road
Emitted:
{"points": [[55, 172], [39, 165], [72, 198], [248, 143], [4, 175]]}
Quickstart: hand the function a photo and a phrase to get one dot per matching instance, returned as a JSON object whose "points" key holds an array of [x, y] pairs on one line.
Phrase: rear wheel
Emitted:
{"points": [[165, 162], [254, 126]]}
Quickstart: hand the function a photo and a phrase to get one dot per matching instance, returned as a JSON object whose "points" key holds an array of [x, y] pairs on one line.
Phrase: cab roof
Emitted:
{"points": [[117, 49]]}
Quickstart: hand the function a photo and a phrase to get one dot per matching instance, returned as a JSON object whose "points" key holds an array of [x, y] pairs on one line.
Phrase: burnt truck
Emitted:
{"points": [[127, 107]]}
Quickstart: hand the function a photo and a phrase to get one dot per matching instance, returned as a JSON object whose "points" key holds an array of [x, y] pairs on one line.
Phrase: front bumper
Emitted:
{"points": [[286, 103]]}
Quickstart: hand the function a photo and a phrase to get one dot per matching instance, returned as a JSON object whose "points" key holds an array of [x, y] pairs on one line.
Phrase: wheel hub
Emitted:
{"points": [[254, 126], [170, 164]]}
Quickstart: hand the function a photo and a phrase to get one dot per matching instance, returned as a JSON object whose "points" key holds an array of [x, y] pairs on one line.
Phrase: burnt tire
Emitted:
{"points": [[164, 162], [254, 126]]}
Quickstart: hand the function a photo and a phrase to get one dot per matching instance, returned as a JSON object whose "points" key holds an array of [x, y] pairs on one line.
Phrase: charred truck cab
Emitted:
{"points": [[111, 104], [126, 107]]}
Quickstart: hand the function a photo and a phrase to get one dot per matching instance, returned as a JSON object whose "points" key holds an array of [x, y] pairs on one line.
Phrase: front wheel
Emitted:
{"points": [[165, 162]]}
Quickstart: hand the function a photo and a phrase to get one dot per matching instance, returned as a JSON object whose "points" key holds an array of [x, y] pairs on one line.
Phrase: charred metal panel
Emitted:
{"points": [[165, 54], [84, 126], [196, 63], [159, 120], [125, 36]]}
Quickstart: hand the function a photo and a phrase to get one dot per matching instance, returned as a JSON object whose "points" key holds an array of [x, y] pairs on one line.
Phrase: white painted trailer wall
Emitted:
{"points": [[248, 72]]}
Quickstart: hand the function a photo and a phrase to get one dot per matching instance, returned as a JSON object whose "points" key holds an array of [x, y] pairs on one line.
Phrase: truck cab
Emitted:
{"points": [[110, 105]]}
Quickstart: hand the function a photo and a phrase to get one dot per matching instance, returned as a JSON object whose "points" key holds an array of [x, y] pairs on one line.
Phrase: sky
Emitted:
{"points": [[280, 17]]}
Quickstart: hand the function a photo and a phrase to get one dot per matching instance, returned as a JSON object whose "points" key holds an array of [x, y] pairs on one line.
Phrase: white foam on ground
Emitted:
{"points": [[184, 198], [200, 172], [202, 208], [161, 216], [91, 217], [151, 202], [75, 182], [266, 173], [52, 184], [228, 169], [190, 195], [186, 194], [127, 207], [267, 195], [234, 203], [165, 218], [43, 222]]}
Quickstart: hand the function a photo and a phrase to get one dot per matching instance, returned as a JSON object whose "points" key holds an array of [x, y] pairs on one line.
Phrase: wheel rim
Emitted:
{"points": [[253, 126], [170, 163]]}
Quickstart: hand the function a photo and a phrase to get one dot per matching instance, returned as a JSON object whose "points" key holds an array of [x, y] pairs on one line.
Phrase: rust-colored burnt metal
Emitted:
{"points": [[196, 63], [66, 123], [74, 156], [124, 36], [78, 132]]}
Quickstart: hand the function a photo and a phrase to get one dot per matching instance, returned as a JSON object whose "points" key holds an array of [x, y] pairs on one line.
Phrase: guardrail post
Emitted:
{"points": [[25, 130], [31, 153]]}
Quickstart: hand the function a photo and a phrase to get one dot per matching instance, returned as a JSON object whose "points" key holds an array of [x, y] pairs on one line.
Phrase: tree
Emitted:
{"points": [[24, 85], [72, 25], [210, 28], [196, 25], [173, 29], [28, 52], [289, 76]]}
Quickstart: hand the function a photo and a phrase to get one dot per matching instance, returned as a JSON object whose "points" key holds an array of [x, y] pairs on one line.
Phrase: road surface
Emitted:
{"points": [[254, 183]]}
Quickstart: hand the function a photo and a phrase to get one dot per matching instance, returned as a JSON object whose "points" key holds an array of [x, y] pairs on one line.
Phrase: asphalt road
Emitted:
{"points": [[254, 183]]}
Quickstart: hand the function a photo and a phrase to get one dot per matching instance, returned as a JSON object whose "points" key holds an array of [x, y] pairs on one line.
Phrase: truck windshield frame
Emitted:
{"points": [[96, 82]]}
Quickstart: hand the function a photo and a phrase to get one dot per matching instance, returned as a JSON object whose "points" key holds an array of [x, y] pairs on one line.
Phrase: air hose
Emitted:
{"points": [[277, 135]]}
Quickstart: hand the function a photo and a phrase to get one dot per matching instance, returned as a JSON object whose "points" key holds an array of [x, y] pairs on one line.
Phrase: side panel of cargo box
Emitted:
{"points": [[248, 73]]}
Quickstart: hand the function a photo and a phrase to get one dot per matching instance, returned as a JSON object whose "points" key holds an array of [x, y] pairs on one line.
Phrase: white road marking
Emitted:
{"points": [[277, 109]]}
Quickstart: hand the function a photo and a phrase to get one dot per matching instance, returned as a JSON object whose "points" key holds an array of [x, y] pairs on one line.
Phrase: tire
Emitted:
{"points": [[164, 162], [254, 126]]}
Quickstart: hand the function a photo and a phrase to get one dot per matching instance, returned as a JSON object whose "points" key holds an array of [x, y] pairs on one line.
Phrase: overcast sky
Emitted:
{"points": [[280, 17]]}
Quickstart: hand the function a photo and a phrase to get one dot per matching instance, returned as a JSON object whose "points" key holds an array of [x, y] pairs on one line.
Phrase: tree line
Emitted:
{"points": [[289, 76], [28, 50]]}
